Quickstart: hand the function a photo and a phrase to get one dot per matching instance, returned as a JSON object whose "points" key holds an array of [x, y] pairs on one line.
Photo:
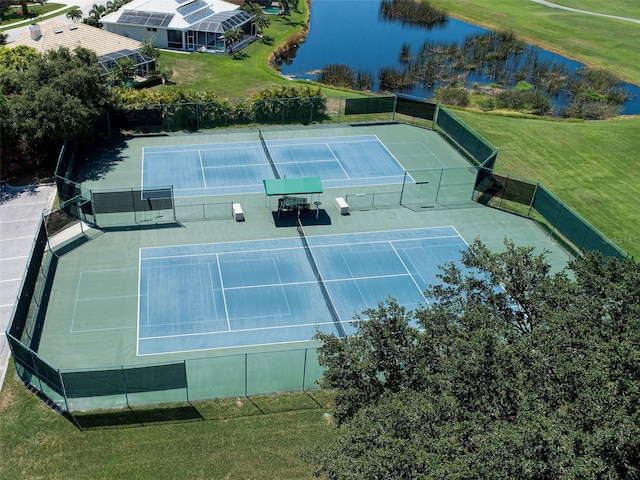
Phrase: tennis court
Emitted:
{"points": [[237, 303], [240, 167], [199, 297]]}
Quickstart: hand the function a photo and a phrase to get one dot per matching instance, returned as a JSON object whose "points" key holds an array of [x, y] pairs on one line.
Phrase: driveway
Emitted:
{"points": [[20, 211]]}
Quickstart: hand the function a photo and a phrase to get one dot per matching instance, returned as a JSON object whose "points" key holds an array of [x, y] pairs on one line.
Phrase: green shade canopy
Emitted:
{"points": [[292, 186]]}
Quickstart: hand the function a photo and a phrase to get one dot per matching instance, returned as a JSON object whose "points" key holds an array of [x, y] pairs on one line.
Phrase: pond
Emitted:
{"points": [[351, 32]]}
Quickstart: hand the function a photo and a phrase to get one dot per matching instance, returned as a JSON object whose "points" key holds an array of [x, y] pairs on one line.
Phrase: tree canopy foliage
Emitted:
{"points": [[512, 371], [46, 99]]}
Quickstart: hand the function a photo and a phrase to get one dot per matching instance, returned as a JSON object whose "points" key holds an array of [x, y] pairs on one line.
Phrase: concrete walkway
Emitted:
{"points": [[20, 212], [586, 12], [84, 5]]}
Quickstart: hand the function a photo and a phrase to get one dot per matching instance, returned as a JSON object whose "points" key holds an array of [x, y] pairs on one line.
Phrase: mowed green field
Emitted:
{"points": [[596, 41], [228, 77], [261, 439], [622, 8], [593, 166], [243, 76]]}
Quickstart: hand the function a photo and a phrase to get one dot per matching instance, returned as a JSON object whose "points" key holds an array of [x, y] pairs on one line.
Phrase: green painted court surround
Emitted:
{"points": [[91, 319]]}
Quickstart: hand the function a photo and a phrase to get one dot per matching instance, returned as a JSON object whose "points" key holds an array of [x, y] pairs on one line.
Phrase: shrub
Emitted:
{"points": [[363, 80], [586, 110], [455, 96], [534, 101], [393, 78], [523, 86], [487, 103], [337, 75]]}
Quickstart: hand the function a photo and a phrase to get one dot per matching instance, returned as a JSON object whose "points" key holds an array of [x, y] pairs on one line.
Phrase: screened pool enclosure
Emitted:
{"points": [[145, 66]]}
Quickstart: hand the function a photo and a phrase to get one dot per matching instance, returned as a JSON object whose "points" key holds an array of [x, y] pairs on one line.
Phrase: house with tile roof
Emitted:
{"points": [[187, 25], [109, 47]]}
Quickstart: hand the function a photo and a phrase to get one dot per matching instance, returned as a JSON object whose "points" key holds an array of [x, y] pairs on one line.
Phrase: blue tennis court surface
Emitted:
{"points": [[240, 167], [208, 296]]}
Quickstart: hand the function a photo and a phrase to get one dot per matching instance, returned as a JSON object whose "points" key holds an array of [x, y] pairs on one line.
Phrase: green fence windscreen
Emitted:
{"points": [[21, 311], [36, 365], [463, 135], [508, 187], [415, 108], [573, 227], [122, 381], [66, 188], [48, 374], [93, 383], [21, 354], [134, 200], [156, 377], [520, 195], [359, 106]]}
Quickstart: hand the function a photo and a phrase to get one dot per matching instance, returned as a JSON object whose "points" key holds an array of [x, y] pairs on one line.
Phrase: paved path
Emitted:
{"points": [[586, 12], [20, 211], [84, 5]]}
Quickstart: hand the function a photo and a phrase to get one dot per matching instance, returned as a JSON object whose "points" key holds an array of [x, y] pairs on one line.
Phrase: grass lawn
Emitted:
{"points": [[14, 13], [596, 41], [622, 8], [243, 77], [234, 441], [592, 166]]}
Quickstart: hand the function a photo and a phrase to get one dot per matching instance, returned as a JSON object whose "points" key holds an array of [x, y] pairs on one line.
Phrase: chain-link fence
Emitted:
{"points": [[260, 372], [533, 200]]}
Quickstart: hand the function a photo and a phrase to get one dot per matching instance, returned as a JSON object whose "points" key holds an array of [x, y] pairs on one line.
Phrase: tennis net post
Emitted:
{"points": [[268, 154], [323, 287]]}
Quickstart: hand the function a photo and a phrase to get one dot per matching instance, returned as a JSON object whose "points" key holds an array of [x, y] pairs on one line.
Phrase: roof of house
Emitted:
{"points": [[174, 14], [54, 34]]}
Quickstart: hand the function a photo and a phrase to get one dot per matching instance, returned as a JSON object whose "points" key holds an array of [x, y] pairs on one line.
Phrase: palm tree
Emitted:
{"points": [[232, 36], [262, 22], [97, 11], [25, 8], [285, 8], [74, 15], [113, 5], [251, 7]]}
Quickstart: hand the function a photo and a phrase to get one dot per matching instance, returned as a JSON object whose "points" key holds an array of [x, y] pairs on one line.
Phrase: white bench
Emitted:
{"points": [[342, 206], [238, 214]]}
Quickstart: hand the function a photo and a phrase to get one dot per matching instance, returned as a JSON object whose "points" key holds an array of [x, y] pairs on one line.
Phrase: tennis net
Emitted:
{"points": [[268, 154], [323, 287]]}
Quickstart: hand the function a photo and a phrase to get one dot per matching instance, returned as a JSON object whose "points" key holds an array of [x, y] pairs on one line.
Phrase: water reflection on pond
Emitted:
{"points": [[351, 32]]}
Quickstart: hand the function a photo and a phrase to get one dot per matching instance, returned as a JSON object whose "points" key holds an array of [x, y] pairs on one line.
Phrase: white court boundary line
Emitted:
{"points": [[326, 141], [239, 330], [280, 249], [324, 235], [295, 326], [77, 300], [224, 296]]}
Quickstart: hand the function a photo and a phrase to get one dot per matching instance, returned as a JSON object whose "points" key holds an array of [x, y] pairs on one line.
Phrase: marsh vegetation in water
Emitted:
{"points": [[448, 60]]}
